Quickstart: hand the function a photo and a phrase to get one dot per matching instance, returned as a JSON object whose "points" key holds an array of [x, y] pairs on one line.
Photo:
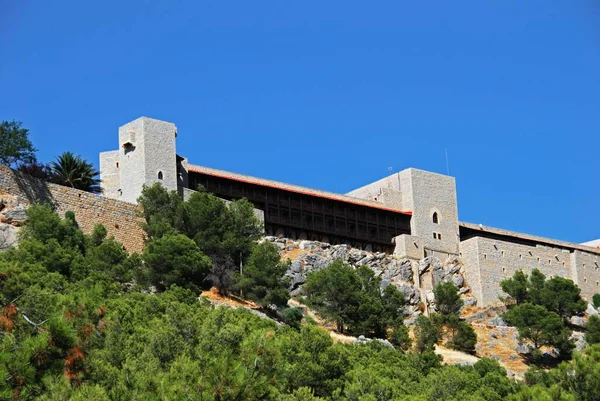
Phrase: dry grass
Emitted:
{"points": [[501, 347], [214, 296], [294, 253]]}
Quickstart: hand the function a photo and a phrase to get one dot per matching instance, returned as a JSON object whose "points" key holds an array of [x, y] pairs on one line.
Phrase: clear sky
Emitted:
{"points": [[331, 94]]}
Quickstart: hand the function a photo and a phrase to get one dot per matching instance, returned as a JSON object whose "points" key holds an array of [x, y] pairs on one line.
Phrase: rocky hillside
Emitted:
{"points": [[404, 274]]}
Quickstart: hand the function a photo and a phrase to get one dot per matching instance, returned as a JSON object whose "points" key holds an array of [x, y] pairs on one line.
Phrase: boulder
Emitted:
{"points": [[8, 236], [522, 348], [579, 340], [469, 301], [497, 321], [457, 280], [308, 245], [577, 321], [384, 342], [295, 266], [411, 294], [398, 270], [16, 216], [339, 252], [591, 310]]}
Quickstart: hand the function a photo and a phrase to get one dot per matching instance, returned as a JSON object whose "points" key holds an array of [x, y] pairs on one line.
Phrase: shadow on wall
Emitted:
{"points": [[34, 190]]}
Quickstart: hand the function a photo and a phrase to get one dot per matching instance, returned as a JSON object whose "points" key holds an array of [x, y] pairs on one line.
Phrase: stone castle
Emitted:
{"points": [[411, 214]]}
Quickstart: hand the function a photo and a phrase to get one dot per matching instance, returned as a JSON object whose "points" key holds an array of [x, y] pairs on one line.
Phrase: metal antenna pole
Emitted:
{"points": [[447, 164]]}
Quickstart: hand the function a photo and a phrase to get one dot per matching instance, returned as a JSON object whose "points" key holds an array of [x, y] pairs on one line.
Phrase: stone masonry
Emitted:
{"points": [[121, 219]]}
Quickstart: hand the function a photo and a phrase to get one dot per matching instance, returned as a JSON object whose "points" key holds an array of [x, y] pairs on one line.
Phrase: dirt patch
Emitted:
{"points": [[213, 296], [499, 343], [294, 253]]}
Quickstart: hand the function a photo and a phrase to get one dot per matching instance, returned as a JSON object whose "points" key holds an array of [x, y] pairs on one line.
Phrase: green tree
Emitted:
{"points": [[447, 299], [37, 170], [592, 335], [176, 259], [355, 300], [15, 146], [540, 326], [426, 334], [335, 292], [465, 338], [580, 376], [224, 232], [73, 171], [563, 297], [263, 278], [161, 209], [516, 287]]}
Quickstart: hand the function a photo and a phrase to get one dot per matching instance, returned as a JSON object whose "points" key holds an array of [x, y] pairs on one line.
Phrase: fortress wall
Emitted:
{"points": [[121, 219], [497, 260], [469, 256], [586, 273], [372, 191], [109, 173]]}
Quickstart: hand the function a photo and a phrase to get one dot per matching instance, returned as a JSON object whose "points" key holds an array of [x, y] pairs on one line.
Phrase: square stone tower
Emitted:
{"points": [[431, 198], [146, 155]]}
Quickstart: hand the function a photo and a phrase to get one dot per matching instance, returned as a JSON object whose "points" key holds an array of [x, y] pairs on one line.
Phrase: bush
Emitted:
{"points": [[596, 301], [293, 317]]}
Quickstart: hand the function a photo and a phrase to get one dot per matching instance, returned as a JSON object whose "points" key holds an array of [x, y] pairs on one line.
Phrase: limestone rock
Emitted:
{"points": [[591, 310], [522, 348], [339, 252], [577, 321], [398, 270], [579, 340], [497, 321], [457, 280], [8, 236], [469, 301], [16, 216], [411, 294]]}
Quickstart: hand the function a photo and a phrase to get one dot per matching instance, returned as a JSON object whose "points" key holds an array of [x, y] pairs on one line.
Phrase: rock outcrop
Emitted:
{"points": [[12, 216], [406, 275]]}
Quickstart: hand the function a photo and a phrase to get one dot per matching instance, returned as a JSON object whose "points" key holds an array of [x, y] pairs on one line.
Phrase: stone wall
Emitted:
{"points": [[121, 219], [110, 174], [586, 273], [489, 261]]}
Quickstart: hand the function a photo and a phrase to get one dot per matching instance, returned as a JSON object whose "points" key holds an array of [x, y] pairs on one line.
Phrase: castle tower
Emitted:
{"points": [[146, 155], [431, 198]]}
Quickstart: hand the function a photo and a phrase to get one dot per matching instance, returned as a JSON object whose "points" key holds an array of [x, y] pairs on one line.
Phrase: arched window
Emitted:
{"points": [[435, 218], [160, 175]]}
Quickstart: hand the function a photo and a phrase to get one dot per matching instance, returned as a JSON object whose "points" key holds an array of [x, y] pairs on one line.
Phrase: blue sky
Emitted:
{"points": [[331, 94]]}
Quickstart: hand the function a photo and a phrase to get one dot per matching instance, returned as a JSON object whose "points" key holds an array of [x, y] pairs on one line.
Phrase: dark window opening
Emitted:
{"points": [[160, 175], [435, 218]]}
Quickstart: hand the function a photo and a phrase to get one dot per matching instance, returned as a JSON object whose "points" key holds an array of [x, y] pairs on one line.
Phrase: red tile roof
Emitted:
{"points": [[292, 188]]}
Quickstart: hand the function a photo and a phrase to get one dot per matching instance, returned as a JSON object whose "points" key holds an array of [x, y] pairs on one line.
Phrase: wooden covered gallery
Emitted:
{"points": [[301, 213]]}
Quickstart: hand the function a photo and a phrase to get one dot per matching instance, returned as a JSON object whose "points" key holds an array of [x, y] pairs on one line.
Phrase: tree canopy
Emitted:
{"points": [[15, 146], [76, 326]]}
